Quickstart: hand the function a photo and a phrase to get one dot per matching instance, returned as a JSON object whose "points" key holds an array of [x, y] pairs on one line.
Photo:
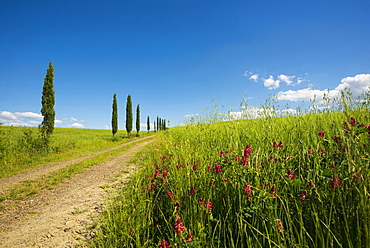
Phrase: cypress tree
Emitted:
{"points": [[114, 116], [148, 124], [158, 123], [155, 128], [137, 120], [48, 102], [129, 115]]}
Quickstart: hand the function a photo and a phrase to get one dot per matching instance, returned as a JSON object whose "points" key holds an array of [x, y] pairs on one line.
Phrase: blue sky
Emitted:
{"points": [[175, 57]]}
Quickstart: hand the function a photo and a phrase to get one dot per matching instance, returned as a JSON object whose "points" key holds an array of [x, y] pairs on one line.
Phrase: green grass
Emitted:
{"points": [[21, 148], [30, 187], [271, 182]]}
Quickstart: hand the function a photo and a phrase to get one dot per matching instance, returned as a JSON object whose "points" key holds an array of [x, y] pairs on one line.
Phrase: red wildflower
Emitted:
{"points": [[309, 152], [189, 238], [177, 206], [131, 231], [272, 191], [169, 193], [195, 167], [311, 185], [276, 145], [353, 122], [218, 168], [279, 226], [335, 182], [179, 226], [164, 244], [248, 190], [192, 191], [247, 151], [321, 133], [303, 195], [209, 207], [165, 174], [290, 175], [272, 160], [201, 202], [337, 139]]}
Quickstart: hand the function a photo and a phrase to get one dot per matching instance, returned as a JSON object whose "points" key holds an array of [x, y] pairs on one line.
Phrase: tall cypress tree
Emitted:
{"points": [[148, 124], [48, 102], [114, 116], [129, 115], [137, 120]]}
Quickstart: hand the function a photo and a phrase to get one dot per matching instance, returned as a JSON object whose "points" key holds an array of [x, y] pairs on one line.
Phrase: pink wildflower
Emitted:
{"points": [[335, 182], [209, 207], [169, 193], [189, 238], [248, 190], [179, 226], [303, 195], [192, 191], [272, 191], [353, 122], [321, 133], [218, 168], [290, 175], [164, 244], [279, 226], [247, 151]]}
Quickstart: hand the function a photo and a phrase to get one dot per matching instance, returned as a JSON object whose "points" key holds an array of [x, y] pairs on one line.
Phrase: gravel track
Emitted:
{"points": [[61, 217]]}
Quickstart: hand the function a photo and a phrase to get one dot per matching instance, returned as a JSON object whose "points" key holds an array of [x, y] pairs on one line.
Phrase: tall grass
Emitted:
{"points": [[22, 148], [294, 181]]}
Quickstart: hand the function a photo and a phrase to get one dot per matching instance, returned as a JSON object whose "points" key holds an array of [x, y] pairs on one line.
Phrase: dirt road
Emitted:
{"points": [[62, 217]]}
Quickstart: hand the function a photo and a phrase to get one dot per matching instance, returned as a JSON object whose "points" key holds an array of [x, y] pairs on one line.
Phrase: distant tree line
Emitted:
{"points": [[47, 110], [160, 125]]}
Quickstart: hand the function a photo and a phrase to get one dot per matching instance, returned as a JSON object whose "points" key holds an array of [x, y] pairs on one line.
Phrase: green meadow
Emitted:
{"points": [[22, 148], [289, 181]]}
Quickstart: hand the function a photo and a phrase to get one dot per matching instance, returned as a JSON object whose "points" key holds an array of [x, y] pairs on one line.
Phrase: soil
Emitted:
{"points": [[64, 216]]}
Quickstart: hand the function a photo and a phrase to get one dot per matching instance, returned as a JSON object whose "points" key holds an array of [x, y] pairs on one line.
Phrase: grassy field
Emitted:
{"points": [[295, 181], [21, 148]]}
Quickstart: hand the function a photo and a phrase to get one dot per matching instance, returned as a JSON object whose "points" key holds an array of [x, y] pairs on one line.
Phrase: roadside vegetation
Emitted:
{"points": [[22, 148], [298, 180], [27, 188]]}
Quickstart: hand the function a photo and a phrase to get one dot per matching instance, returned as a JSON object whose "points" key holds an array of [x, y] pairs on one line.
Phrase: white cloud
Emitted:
{"points": [[30, 115], [105, 127], [7, 115], [57, 122], [72, 119], [254, 77], [357, 84], [76, 125], [270, 83], [287, 79], [191, 115]]}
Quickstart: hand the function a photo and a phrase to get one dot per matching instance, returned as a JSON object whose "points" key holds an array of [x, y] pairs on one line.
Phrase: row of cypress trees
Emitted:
{"points": [[158, 126], [48, 112], [129, 116]]}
